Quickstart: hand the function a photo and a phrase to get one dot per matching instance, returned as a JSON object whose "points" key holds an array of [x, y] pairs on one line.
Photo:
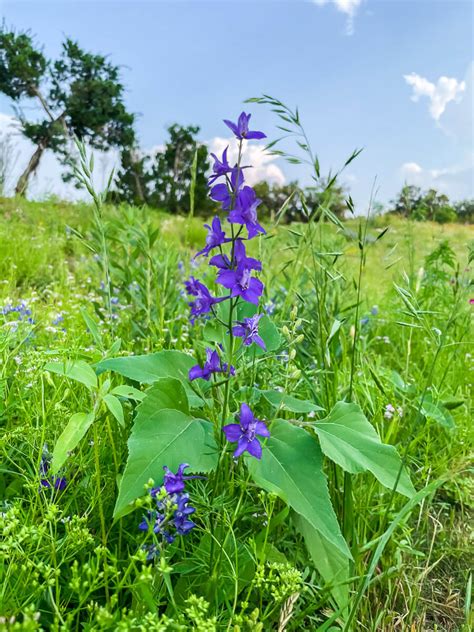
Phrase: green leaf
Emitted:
{"points": [[77, 370], [288, 402], [350, 440], [328, 560], [165, 393], [437, 412], [291, 467], [115, 407], [93, 328], [146, 369], [165, 437], [76, 428], [129, 392]]}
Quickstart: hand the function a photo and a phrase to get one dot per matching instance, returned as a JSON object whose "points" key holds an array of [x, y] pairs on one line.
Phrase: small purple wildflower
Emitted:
{"points": [[241, 128], [247, 329], [59, 483], [245, 212], [170, 517], [245, 433], [220, 167], [203, 302], [213, 364], [215, 237], [240, 257], [241, 283]]}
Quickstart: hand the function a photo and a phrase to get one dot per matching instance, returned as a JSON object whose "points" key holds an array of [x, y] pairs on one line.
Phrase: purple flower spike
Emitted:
{"points": [[245, 212], [248, 330], [204, 301], [215, 237], [245, 433], [241, 283], [241, 128], [212, 365]]}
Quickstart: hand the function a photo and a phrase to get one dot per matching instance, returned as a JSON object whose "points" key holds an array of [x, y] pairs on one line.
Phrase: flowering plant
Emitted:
{"points": [[209, 416]]}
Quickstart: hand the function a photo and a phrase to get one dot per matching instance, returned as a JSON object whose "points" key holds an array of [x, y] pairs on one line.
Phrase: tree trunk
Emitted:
{"points": [[31, 167]]}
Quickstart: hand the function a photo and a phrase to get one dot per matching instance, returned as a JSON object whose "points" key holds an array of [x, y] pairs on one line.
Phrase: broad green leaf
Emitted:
{"points": [[70, 437], [115, 407], [350, 440], [437, 412], [77, 370], [332, 565], [165, 437], [165, 393], [291, 467], [129, 392], [146, 369], [288, 402]]}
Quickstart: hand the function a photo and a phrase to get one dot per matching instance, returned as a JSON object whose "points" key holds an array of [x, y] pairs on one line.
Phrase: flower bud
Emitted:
{"points": [[296, 374], [292, 354], [299, 339], [285, 331]]}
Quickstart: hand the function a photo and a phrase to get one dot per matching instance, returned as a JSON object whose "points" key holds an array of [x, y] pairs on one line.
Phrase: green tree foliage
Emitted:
{"points": [[430, 205], [78, 94], [465, 211], [163, 179], [171, 172]]}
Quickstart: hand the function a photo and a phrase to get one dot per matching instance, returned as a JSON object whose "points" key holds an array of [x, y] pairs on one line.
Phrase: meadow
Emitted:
{"points": [[362, 520]]}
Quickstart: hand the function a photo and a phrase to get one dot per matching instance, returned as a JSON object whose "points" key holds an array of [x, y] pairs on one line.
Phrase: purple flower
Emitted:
{"points": [[245, 212], [240, 257], [212, 365], [220, 193], [240, 283], [174, 483], [220, 167], [245, 433], [248, 330], [58, 483], [215, 237], [204, 301], [241, 128], [180, 519]]}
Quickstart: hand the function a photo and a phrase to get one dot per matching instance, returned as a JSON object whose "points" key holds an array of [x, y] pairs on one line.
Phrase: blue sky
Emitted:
{"points": [[353, 67]]}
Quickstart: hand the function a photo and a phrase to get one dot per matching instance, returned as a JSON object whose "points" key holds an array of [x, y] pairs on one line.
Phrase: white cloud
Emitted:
{"points": [[455, 180], [446, 89], [348, 7], [254, 154]]}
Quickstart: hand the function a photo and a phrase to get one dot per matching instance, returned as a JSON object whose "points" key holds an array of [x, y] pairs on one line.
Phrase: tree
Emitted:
{"points": [[78, 94], [465, 211], [132, 182], [171, 172], [430, 205]]}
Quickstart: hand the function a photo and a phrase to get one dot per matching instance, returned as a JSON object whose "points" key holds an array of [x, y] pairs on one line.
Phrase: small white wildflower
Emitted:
{"points": [[389, 410]]}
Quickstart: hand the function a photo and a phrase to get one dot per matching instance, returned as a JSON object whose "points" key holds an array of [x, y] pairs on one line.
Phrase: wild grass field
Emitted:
{"points": [[378, 319]]}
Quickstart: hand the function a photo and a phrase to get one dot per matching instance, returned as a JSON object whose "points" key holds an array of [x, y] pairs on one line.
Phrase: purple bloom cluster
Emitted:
{"points": [[47, 481], [170, 517], [236, 273], [21, 311]]}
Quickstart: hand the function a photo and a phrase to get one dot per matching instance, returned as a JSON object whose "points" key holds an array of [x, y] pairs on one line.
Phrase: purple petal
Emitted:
{"points": [[195, 372], [259, 342], [254, 448], [242, 445], [231, 126], [232, 432], [261, 429], [246, 416], [255, 135]]}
